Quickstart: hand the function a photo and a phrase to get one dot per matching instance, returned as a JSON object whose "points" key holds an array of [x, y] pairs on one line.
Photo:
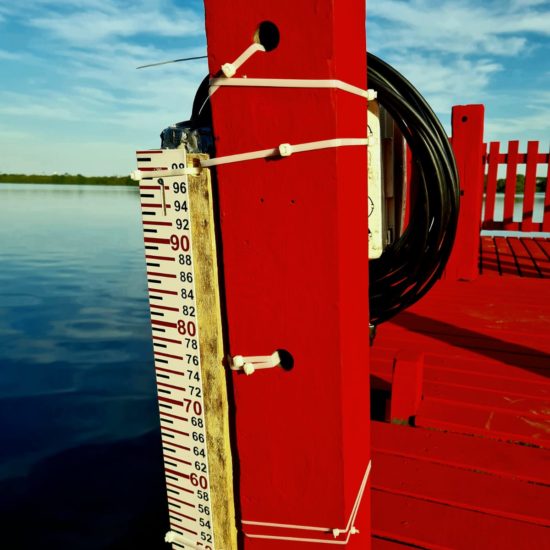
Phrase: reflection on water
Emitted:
{"points": [[80, 455]]}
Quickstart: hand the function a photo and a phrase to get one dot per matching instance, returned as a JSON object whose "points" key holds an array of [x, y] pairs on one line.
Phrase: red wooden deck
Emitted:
{"points": [[473, 469]]}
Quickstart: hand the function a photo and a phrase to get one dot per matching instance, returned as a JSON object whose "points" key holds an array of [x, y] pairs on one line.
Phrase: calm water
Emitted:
{"points": [[80, 457], [538, 212], [80, 464]]}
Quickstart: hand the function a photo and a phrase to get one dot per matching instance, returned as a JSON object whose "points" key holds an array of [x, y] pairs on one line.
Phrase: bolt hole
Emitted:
{"points": [[267, 35], [287, 361], [262, 200], [292, 201], [464, 119]]}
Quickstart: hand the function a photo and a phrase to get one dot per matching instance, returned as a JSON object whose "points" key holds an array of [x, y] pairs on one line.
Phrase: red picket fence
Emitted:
{"points": [[512, 160]]}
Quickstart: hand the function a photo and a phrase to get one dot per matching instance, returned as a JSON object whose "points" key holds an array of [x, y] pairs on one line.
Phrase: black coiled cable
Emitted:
{"points": [[410, 266]]}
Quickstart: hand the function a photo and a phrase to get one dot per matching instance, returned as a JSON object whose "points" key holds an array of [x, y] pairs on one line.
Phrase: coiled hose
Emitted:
{"points": [[410, 266]]}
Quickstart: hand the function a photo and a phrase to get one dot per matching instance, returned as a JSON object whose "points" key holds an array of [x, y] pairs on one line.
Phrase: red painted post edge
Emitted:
{"points": [[406, 395], [546, 215], [530, 187], [468, 146], [512, 162], [295, 267]]}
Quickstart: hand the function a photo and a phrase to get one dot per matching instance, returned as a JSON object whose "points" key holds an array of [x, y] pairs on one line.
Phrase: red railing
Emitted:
{"points": [[512, 160]]}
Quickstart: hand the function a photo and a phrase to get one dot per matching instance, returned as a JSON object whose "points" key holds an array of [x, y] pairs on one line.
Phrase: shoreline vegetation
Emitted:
{"points": [[79, 179], [68, 179]]}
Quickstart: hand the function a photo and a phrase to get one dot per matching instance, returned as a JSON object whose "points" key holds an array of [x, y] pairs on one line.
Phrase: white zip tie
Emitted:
{"points": [[230, 69], [283, 150], [138, 175], [348, 531], [215, 83], [286, 150], [172, 536], [250, 364]]}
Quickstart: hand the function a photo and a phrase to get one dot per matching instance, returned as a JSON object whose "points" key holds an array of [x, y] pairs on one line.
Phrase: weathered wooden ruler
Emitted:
{"points": [[180, 253]]}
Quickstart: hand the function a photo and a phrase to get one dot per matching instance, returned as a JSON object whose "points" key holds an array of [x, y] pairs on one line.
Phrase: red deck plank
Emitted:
{"points": [[463, 418], [489, 260], [544, 245], [479, 492], [526, 266], [472, 348], [491, 368], [384, 544], [462, 451], [481, 373], [536, 249], [483, 398], [507, 261], [510, 386], [486, 409], [437, 526]]}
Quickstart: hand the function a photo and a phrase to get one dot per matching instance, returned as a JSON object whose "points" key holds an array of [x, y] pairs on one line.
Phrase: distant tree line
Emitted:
{"points": [[520, 184], [67, 179]]}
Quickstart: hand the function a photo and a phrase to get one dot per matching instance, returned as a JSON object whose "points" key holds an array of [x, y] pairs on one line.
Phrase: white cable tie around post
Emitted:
{"points": [[250, 364], [347, 531], [172, 536], [285, 150], [371, 94], [229, 70], [165, 173], [331, 84]]}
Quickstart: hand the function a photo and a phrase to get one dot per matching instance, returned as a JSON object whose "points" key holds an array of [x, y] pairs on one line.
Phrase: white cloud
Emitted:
{"points": [[92, 90], [465, 28], [91, 27], [442, 80], [452, 50], [5, 54], [531, 123]]}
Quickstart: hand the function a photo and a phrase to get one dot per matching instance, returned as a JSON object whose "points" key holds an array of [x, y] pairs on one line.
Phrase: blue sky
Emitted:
{"points": [[72, 101]]}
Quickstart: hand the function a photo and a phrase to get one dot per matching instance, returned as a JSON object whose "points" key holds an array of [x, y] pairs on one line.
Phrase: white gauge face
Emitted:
{"points": [[166, 212], [375, 186]]}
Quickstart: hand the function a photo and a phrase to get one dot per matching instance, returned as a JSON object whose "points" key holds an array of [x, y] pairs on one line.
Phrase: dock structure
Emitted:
{"points": [[470, 467], [461, 386], [438, 435], [295, 264]]}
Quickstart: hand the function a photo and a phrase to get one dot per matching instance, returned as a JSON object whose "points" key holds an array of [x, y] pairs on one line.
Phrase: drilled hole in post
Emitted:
{"points": [[464, 118], [267, 34], [287, 361]]}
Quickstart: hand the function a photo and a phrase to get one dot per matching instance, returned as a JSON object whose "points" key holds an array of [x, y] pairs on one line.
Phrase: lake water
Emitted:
{"points": [[498, 214], [80, 455]]}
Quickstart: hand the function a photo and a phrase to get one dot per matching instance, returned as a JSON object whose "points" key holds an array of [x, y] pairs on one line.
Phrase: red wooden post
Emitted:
{"points": [[467, 124], [491, 187], [546, 213], [512, 161], [295, 240], [406, 389], [530, 186]]}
